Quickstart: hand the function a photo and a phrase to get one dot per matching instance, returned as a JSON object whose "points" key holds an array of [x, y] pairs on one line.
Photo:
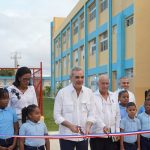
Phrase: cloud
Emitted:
{"points": [[25, 27]]}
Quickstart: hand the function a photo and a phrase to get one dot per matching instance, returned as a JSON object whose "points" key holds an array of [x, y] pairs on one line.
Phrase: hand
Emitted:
{"points": [[106, 130], [3, 148], [122, 148], [74, 128], [11, 147], [87, 130], [116, 138]]}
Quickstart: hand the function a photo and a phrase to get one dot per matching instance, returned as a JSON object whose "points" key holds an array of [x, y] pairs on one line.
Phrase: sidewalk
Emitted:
{"points": [[54, 144]]}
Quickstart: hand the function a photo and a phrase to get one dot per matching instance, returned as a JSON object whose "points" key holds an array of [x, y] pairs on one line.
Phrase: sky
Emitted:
{"points": [[25, 29]]}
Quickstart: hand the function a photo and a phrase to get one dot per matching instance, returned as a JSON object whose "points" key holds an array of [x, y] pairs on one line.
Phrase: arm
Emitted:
{"points": [[138, 142], [21, 143], [3, 148], [121, 140], [118, 118], [59, 119], [16, 128], [88, 127], [35, 98], [72, 127], [47, 144], [58, 109]]}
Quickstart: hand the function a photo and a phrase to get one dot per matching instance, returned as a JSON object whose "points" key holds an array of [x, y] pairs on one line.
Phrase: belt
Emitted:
{"points": [[145, 138], [34, 147]]}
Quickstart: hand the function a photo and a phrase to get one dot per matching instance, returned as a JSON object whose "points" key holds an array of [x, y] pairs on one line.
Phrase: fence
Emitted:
{"points": [[36, 80]]}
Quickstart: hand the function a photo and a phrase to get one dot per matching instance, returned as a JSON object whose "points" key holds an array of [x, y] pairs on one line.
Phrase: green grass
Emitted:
{"points": [[48, 105]]}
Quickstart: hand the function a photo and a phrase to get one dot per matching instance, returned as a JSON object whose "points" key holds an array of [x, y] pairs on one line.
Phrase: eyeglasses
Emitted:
{"points": [[78, 77], [26, 79]]}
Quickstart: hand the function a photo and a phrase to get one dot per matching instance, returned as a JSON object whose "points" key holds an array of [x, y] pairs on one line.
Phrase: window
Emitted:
{"points": [[103, 5], [129, 21], [92, 11], [76, 55], [93, 47], [75, 27], [82, 51], [64, 62], [114, 29], [82, 21], [104, 41], [64, 37], [129, 73], [58, 44]]}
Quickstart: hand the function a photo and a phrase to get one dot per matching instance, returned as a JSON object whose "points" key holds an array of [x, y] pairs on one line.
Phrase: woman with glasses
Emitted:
{"points": [[21, 92]]}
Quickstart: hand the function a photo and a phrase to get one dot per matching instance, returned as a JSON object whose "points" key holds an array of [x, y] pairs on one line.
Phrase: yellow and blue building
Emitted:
{"points": [[103, 36]]}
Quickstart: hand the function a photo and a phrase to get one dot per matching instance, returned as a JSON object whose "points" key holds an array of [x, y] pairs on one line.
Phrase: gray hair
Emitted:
{"points": [[75, 69], [104, 76]]}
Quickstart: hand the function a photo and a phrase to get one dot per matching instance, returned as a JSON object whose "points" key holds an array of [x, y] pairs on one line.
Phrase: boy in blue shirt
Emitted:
{"points": [[145, 125], [8, 122], [129, 124]]}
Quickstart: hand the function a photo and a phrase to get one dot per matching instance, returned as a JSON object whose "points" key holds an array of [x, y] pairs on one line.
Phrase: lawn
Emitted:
{"points": [[48, 114]]}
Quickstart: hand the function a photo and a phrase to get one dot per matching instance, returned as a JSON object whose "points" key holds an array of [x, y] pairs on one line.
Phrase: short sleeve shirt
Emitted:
{"points": [[33, 129], [130, 125]]}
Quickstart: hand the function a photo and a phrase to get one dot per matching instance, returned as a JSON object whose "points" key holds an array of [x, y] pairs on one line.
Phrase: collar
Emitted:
{"points": [[33, 123], [146, 114], [131, 119], [121, 106], [98, 93], [74, 90], [5, 109]]}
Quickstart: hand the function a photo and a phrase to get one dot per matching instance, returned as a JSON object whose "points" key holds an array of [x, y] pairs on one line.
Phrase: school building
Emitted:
{"points": [[103, 36]]}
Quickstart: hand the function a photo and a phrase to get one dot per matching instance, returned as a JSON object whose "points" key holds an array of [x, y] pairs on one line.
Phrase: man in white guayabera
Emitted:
{"points": [[74, 111], [107, 116]]}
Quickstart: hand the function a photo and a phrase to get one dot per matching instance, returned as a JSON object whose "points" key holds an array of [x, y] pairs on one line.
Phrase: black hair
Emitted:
{"points": [[146, 93], [122, 92], [20, 72], [130, 104], [26, 111], [4, 93]]}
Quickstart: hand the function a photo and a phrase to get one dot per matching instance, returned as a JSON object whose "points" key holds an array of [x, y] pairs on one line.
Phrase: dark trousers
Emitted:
{"points": [[6, 142], [145, 143], [130, 146], [70, 145], [117, 145], [101, 144], [26, 147]]}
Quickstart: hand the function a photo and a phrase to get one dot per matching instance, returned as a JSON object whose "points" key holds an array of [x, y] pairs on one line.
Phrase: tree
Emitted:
{"points": [[47, 90], [59, 86], [7, 72]]}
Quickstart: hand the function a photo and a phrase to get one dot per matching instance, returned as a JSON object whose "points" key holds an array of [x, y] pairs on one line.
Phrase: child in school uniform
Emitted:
{"points": [[8, 122], [123, 98], [129, 124], [145, 125], [33, 127]]}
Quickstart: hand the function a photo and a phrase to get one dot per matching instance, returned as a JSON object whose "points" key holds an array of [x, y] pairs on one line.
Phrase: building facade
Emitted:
{"points": [[101, 36]]}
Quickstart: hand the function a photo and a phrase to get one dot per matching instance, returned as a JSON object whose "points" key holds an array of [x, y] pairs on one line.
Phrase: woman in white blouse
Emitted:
{"points": [[22, 93]]}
